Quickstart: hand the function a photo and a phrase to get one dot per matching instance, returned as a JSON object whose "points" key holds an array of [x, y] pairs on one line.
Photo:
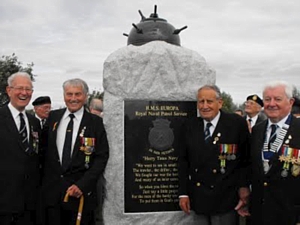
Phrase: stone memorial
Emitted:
{"points": [[149, 90]]}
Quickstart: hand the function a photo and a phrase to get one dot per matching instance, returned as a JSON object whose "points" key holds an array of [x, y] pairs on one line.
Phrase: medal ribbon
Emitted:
{"points": [[278, 141]]}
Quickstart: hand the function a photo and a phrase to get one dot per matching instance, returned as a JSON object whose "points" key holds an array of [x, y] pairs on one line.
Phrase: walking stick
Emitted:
{"points": [[80, 207]]}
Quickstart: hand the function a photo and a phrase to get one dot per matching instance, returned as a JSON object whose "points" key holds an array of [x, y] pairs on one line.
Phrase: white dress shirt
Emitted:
{"points": [[61, 130]]}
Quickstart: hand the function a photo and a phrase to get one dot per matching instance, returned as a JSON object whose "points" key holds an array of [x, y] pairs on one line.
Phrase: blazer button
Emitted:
{"points": [[212, 186], [26, 176], [265, 184], [198, 184], [61, 176], [214, 171]]}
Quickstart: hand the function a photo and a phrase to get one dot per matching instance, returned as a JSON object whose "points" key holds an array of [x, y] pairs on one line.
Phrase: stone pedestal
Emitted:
{"points": [[156, 71]]}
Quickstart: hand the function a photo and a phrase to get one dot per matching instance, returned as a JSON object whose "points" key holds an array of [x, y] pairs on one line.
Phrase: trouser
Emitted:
{"points": [[58, 216], [228, 218], [24, 218]]}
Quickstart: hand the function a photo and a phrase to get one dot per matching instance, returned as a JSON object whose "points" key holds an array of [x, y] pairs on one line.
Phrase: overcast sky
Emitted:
{"points": [[248, 43]]}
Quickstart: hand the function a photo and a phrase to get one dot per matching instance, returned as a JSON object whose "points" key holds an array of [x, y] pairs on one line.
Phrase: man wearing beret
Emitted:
{"points": [[253, 107], [42, 107]]}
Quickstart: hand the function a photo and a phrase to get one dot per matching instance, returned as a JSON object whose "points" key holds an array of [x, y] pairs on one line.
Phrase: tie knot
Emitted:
{"points": [[273, 127], [71, 116], [208, 125], [250, 120], [21, 115]]}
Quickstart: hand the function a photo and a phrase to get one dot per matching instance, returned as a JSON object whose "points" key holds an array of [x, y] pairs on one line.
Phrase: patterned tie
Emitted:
{"points": [[43, 122], [250, 121], [66, 157], [23, 132], [207, 132], [272, 135]]}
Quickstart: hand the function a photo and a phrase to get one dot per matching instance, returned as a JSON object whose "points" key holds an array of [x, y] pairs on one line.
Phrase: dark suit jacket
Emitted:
{"points": [[55, 181], [200, 178], [275, 199], [19, 171]]}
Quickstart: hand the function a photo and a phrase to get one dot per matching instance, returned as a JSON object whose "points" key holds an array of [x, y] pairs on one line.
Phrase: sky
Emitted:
{"points": [[247, 43]]}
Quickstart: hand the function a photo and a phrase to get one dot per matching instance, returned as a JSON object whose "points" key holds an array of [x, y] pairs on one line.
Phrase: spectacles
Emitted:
{"points": [[20, 89], [249, 103]]}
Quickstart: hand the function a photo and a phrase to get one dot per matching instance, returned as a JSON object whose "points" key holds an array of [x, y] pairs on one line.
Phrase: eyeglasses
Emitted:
{"points": [[20, 89], [249, 103]]}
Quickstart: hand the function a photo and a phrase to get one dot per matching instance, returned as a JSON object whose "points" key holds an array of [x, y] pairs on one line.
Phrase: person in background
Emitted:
{"points": [[239, 112], [96, 107], [75, 157], [19, 161], [275, 157], [253, 107], [296, 107], [42, 107], [213, 162]]}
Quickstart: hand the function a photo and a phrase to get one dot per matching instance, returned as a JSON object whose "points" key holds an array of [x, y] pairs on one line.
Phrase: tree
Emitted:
{"points": [[8, 66], [296, 92], [228, 105], [95, 94]]}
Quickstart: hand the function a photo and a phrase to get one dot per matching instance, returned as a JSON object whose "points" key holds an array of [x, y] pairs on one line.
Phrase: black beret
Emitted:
{"points": [[41, 100], [256, 99]]}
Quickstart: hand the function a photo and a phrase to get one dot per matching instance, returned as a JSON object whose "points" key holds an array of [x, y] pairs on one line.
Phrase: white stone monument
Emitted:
{"points": [[154, 71]]}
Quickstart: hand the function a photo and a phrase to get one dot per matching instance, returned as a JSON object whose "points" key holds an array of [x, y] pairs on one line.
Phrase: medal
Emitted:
{"points": [[87, 146], [284, 173], [295, 170], [222, 170], [266, 166]]}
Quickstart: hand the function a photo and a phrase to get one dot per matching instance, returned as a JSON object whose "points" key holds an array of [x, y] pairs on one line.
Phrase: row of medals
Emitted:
{"points": [[223, 156], [287, 160]]}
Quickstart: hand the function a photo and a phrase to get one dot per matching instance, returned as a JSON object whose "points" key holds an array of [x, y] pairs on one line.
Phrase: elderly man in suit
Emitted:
{"points": [[42, 107], [275, 146], [213, 161], [19, 161], [75, 156], [253, 107], [96, 107]]}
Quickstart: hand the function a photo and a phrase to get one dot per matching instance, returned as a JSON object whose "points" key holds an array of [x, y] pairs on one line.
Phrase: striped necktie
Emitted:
{"points": [[23, 133], [272, 135], [207, 132]]}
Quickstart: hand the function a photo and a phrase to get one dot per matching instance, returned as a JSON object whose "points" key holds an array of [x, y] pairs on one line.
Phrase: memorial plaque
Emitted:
{"points": [[151, 153]]}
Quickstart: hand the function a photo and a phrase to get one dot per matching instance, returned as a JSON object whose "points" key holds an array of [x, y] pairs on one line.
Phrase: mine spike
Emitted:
{"points": [[154, 15], [177, 31], [142, 16], [126, 35], [138, 30]]}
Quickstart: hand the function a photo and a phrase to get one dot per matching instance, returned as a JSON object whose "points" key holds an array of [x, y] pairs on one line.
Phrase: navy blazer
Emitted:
{"points": [[19, 171], [56, 181], [200, 175], [275, 199]]}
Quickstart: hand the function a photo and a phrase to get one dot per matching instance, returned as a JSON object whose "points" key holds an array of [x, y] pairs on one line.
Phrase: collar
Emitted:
{"points": [[280, 123], [214, 121], [78, 114], [15, 113]]}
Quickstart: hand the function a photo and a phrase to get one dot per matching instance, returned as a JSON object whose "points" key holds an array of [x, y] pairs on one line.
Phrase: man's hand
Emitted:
{"points": [[241, 207], [74, 191], [184, 203]]}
